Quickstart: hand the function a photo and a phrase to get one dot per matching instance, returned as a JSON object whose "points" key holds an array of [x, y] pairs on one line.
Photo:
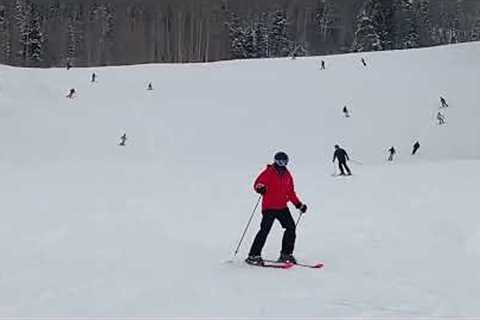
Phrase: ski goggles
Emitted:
{"points": [[281, 162]]}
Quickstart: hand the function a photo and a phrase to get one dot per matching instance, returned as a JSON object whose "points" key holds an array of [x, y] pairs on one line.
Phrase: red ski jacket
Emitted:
{"points": [[279, 186]]}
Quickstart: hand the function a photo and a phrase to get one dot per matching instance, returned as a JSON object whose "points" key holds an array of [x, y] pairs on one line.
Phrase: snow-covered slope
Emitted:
{"points": [[89, 228]]}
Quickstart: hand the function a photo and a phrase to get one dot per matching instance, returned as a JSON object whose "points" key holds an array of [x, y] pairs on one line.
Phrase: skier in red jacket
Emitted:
{"points": [[276, 186]]}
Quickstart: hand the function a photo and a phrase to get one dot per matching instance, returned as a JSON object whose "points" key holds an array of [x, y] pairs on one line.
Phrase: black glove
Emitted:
{"points": [[302, 207], [261, 189]]}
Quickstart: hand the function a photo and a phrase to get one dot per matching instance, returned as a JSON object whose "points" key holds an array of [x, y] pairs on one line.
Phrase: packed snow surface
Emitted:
{"points": [[90, 228]]}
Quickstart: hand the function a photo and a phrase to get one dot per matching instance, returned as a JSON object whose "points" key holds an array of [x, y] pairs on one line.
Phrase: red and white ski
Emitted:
{"points": [[273, 264], [300, 264], [311, 266]]}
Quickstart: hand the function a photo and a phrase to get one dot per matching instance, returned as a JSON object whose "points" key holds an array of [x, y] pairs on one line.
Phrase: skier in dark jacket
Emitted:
{"points": [[342, 157], [415, 147], [71, 93], [94, 77], [345, 112], [276, 186], [364, 62], [123, 139], [322, 65], [392, 152], [443, 103]]}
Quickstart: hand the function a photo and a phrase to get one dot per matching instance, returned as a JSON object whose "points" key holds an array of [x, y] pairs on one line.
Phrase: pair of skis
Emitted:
{"points": [[287, 265]]}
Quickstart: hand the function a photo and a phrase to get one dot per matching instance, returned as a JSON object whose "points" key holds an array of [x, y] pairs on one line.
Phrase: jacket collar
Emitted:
{"points": [[277, 169]]}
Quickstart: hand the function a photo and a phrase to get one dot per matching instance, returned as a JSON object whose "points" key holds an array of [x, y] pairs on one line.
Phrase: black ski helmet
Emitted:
{"points": [[281, 158]]}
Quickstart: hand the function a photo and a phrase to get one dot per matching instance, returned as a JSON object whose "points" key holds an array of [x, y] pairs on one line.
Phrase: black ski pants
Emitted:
{"points": [[268, 218], [342, 165]]}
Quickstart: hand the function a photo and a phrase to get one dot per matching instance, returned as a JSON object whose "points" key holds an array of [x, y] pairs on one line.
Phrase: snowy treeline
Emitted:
{"points": [[377, 25], [386, 25], [105, 32]]}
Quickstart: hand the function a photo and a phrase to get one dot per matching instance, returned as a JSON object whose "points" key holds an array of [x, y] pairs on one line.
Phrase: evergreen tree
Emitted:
{"points": [[459, 23], [425, 24], [447, 26], [31, 40], [21, 19], [374, 29], [261, 42], [366, 37], [236, 35], [386, 24], [280, 43], [249, 42], [410, 37], [248, 39], [35, 37], [71, 43], [475, 33], [5, 36]]}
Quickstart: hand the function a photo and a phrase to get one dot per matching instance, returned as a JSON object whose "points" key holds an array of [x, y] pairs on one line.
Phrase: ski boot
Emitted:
{"points": [[255, 260], [287, 258]]}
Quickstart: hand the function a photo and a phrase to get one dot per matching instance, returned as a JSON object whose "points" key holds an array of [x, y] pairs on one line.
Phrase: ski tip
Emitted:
{"points": [[318, 266]]}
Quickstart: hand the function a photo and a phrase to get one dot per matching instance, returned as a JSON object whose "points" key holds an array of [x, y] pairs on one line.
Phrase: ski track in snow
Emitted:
{"points": [[93, 229]]}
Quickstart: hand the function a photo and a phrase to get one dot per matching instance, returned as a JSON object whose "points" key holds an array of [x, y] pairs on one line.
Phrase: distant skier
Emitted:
{"points": [[342, 157], [345, 112], [123, 139], [416, 146], [440, 118], [443, 103], [69, 65], [364, 62], [71, 93], [150, 87], [276, 186], [94, 77], [391, 154], [322, 65]]}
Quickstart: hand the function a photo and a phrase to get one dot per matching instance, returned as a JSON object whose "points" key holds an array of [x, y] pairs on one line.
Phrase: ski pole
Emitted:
{"points": [[298, 220], [334, 170], [246, 227]]}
